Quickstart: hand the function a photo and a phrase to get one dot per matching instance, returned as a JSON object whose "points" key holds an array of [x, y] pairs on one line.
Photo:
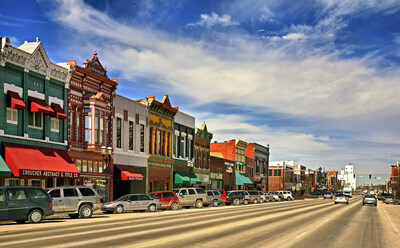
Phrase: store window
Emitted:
{"points": [[131, 135], [34, 182], [55, 125], [84, 165], [142, 135], [12, 182], [90, 166], [88, 128], [95, 167], [101, 167], [78, 164], [12, 116], [119, 124], [35, 120]]}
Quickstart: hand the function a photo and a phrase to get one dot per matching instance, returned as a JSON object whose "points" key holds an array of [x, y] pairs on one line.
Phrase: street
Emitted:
{"points": [[300, 223]]}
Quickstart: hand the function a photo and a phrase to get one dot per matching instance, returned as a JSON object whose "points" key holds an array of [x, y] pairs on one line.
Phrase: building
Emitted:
{"points": [[222, 173], [161, 131], [234, 150], [33, 112], [184, 130], [260, 155], [348, 177], [131, 146], [309, 182], [281, 175], [202, 161], [90, 121], [299, 173]]}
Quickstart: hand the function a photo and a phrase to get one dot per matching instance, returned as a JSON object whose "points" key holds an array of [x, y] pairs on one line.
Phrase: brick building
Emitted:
{"points": [[260, 155], [222, 173], [202, 161]]}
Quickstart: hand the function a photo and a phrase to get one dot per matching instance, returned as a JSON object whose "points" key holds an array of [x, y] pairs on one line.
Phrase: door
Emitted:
{"points": [[192, 196], [3, 205], [143, 202], [133, 203], [17, 204], [58, 205], [184, 197], [70, 199], [163, 199]]}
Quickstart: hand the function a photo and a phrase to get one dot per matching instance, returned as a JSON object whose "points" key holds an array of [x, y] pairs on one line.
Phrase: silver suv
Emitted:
{"points": [[76, 201], [213, 198], [255, 196], [191, 196]]}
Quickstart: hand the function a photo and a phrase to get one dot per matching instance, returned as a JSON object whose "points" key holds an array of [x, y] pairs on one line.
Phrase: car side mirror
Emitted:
{"points": [[180, 194]]}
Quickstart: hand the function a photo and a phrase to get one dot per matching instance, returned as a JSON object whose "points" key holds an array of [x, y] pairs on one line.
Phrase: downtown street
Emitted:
{"points": [[300, 223]]}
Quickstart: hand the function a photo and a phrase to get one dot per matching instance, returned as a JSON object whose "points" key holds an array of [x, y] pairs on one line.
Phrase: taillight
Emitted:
{"points": [[51, 205], [99, 200]]}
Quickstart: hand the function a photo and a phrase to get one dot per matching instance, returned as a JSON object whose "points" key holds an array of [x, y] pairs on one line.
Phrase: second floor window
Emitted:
{"points": [[55, 125], [131, 135], [88, 128], [12, 116], [35, 119], [142, 138], [119, 126]]}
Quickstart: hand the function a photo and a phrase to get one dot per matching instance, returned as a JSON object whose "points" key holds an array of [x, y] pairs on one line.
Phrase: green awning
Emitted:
{"points": [[4, 170], [242, 179], [184, 178]]}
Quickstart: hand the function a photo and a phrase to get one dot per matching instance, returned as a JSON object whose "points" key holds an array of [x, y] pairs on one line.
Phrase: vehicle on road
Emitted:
{"points": [[328, 195], [76, 201], [270, 197], [213, 198], [168, 199], [189, 197], [348, 192], [396, 200], [389, 200], [222, 192], [237, 197], [341, 198], [24, 203], [285, 195], [255, 197], [263, 197], [370, 199], [131, 202]]}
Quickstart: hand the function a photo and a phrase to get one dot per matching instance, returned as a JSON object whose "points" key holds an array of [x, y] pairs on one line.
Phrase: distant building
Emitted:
{"points": [[260, 155], [202, 163], [281, 175], [348, 177]]}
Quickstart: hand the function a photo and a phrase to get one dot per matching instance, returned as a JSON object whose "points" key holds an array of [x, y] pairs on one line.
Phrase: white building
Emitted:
{"points": [[348, 177]]}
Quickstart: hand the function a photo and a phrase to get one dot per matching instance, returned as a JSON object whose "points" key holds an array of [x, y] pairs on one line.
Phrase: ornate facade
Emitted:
{"points": [[202, 161]]}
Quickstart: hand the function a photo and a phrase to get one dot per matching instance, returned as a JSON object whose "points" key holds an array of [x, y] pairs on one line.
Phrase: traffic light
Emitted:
{"points": [[354, 175], [369, 176]]}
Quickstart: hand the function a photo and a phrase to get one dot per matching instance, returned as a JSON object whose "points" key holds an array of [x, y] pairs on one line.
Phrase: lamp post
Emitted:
{"points": [[106, 152]]}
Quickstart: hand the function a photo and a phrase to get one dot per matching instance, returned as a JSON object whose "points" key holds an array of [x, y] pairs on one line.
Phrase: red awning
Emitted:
{"points": [[59, 111], [35, 161], [15, 100], [39, 105], [129, 173]]}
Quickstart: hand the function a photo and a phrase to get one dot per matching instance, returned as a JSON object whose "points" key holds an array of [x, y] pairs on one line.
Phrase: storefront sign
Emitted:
{"points": [[206, 179], [257, 178], [229, 167], [135, 178], [39, 173], [216, 176], [88, 182]]}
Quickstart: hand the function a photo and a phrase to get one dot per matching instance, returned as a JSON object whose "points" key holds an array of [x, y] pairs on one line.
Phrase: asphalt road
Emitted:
{"points": [[303, 223]]}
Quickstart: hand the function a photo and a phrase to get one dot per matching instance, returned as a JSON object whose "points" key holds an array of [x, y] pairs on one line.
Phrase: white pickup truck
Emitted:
{"points": [[348, 192]]}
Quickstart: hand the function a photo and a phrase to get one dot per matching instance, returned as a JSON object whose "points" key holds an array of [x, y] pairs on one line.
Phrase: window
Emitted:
{"points": [[35, 120], [205, 160], [11, 182], [36, 194], [84, 165], [102, 129], [95, 167], [2, 195], [90, 166], [162, 136], [168, 194], [195, 159], [78, 164], [86, 192], [158, 196], [96, 128], [55, 125], [131, 135], [34, 182], [119, 132], [12, 116], [277, 173], [201, 159], [88, 128], [70, 192], [141, 138], [210, 193], [183, 192], [158, 141], [100, 167], [189, 148], [184, 146], [78, 128], [191, 192], [16, 194], [200, 191]]}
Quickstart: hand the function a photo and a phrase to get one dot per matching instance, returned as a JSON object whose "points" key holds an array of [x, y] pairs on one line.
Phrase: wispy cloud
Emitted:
{"points": [[214, 20]]}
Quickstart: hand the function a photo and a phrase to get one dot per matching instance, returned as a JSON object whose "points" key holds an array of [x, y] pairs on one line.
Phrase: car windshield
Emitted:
{"points": [[370, 196], [123, 198], [151, 195], [175, 191]]}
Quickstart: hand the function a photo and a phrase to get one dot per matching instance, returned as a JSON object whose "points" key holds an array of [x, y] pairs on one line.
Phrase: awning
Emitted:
{"points": [[4, 170], [15, 101], [129, 173], [35, 161], [39, 105], [184, 178], [59, 111], [242, 179]]}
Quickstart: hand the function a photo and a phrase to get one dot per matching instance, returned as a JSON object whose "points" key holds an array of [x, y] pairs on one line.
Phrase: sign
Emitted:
{"points": [[136, 178], [40, 173], [216, 176], [88, 182], [257, 177], [229, 167]]}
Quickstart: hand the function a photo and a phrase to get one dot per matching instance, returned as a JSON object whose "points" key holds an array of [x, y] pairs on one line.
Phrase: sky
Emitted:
{"points": [[316, 80]]}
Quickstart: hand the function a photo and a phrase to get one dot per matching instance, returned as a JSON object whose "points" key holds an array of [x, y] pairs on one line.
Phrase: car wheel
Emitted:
{"points": [[108, 212], [119, 209], [335, 202], [85, 211], [35, 216], [236, 202], [152, 208], [199, 204], [226, 203], [245, 201], [73, 216], [215, 203], [174, 206], [255, 201], [347, 202], [20, 221]]}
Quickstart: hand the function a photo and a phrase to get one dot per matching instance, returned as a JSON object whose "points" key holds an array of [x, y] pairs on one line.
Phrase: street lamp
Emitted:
{"points": [[106, 152]]}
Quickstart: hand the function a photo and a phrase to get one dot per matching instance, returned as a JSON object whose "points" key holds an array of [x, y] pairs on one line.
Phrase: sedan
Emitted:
{"points": [[340, 198], [168, 199], [131, 202], [370, 199], [328, 195]]}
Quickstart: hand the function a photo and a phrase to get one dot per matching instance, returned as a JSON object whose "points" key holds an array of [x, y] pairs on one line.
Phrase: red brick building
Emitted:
{"points": [[222, 173], [91, 95], [202, 139]]}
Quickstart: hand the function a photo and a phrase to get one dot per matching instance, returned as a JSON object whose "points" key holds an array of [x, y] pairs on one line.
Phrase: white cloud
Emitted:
{"points": [[14, 41], [213, 20]]}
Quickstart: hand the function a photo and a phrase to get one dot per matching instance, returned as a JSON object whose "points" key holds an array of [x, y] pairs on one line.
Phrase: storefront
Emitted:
{"points": [[128, 180], [217, 181], [242, 181], [185, 179], [205, 180]]}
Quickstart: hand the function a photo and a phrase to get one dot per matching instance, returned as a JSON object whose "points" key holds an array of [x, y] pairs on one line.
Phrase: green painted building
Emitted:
{"points": [[33, 124]]}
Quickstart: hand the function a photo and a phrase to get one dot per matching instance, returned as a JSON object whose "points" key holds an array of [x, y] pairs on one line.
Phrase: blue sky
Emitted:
{"points": [[317, 80]]}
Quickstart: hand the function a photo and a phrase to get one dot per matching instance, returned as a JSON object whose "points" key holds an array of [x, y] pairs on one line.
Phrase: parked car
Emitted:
{"points": [[391, 199], [223, 194], [328, 195], [269, 197], [285, 195], [131, 202], [370, 199], [168, 199], [76, 201], [213, 198], [255, 197], [396, 200], [236, 197], [341, 198], [276, 197], [24, 203], [263, 197], [189, 197]]}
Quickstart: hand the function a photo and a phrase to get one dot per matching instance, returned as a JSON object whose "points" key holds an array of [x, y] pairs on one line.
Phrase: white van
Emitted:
{"points": [[285, 195], [348, 192]]}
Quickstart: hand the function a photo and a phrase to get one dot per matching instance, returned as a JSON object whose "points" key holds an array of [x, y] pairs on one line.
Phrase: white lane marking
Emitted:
{"points": [[304, 233], [327, 220]]}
